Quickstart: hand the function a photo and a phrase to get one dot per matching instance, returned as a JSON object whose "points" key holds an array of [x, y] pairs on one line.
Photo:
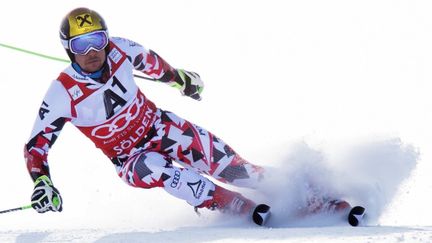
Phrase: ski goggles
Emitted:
{"points": [[82, 44]]}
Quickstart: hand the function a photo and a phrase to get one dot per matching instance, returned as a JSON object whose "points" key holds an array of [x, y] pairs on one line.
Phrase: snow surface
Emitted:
{"points": [[331, 93]]}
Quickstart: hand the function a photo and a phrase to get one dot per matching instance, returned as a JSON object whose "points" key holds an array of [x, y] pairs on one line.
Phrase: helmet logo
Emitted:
{"points": [[84, 20]]}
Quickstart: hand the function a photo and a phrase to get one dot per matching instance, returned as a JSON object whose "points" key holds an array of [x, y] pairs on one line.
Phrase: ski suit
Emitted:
{"points": [[140, 139]]}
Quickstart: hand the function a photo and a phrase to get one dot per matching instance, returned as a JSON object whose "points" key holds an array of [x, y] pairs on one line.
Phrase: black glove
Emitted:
{"points": [[192, 84], [45, 196]]}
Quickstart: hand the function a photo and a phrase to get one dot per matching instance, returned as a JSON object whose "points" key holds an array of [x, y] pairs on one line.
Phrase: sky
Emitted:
{"points": [[329, 75]]}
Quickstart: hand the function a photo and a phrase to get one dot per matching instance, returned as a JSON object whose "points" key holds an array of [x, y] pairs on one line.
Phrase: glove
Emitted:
{"points": [[192, 84], [45, 196]]}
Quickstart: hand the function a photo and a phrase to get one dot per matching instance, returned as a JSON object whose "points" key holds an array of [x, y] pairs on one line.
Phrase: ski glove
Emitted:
{"points": [[190, 85], [45, 196]]}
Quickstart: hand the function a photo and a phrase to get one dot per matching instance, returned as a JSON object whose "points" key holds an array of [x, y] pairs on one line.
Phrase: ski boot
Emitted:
{"points": [[326, 205], [356, 214], [337, 206], [236, 204]]}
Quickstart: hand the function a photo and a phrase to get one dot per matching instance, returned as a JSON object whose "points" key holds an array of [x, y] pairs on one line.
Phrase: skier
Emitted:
{"points": [[98, 95]]}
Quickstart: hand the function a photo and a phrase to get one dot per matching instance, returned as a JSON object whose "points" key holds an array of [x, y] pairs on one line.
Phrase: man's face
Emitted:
{"points": [[92, 61]]}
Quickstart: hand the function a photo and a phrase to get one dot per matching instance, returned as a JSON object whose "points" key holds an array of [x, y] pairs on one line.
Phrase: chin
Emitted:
{"points": [[94, 68]]}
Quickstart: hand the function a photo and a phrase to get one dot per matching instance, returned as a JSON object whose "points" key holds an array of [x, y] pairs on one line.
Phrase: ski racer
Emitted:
{"points": [[97, 93]]}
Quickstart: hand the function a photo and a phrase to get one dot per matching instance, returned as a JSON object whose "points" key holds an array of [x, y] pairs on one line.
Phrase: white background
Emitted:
{"points": [[326, 73]]}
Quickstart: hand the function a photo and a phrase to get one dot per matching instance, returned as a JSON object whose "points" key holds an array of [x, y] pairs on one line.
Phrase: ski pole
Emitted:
{"points": [[15, 209], [56, 58], [143, 77], [33, 53]]}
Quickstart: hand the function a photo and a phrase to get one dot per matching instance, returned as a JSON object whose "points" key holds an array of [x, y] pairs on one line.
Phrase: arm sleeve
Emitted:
{"points": [[150, 63], [53, 113]]}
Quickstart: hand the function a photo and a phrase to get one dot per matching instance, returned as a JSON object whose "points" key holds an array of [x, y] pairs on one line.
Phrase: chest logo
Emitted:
{"points": [[115, 55], [121, 122], [75, 92]]}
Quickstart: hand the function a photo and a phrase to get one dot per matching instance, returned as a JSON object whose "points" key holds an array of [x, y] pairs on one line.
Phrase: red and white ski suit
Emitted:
{"points": [[139, 138]]}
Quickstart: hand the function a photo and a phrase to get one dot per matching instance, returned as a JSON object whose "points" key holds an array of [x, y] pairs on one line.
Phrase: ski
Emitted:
{"points": [[261, 214], [356, 215]]}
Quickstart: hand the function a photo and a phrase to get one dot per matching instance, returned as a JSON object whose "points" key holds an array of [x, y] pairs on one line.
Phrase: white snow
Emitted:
{"points": [[334, 94]]}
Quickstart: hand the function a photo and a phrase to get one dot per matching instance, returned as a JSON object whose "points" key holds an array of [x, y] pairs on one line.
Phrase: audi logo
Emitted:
{"points": [[176, 179], [121, 122]]}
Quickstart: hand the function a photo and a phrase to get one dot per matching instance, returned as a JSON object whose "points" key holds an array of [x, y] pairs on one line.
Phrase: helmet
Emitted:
{"points": [[78, 22]]}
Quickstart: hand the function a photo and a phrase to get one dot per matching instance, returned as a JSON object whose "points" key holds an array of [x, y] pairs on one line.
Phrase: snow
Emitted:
{"points": [[231, 234], [330, 93]]}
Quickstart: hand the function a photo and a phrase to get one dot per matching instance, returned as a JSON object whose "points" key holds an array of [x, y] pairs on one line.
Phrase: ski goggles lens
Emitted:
{"points": [[82, 44]]}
